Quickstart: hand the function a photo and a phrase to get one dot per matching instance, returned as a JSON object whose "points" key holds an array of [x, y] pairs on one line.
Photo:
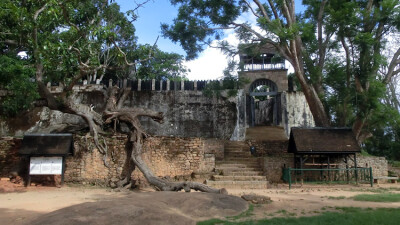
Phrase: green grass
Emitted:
{"points": [[247, 213], [382, 197], [336, 197], [347, 216], [375, 190]]}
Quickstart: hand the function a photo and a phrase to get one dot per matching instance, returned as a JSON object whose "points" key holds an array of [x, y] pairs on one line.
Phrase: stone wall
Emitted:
{"points": [[295, 111], [176, 158], [379, 164], [186, 114], [278, 76], [274, 164]]}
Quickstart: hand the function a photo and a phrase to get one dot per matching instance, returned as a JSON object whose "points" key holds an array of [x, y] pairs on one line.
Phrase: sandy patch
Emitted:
{"points": [[38, 205]]}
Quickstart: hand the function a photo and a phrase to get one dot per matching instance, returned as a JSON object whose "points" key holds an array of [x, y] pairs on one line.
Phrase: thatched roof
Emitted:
{"points": [[46, 144], [322, 141]]}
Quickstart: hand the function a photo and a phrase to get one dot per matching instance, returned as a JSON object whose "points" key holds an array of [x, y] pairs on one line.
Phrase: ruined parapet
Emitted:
{"points": [[137, 85]]}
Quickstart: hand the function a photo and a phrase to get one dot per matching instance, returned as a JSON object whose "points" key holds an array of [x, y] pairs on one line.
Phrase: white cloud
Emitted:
{"points": [[208, 66], [211, 62]]}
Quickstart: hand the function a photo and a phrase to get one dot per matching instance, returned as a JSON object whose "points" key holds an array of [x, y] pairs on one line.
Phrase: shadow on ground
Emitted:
{"points": [[148, 208]]}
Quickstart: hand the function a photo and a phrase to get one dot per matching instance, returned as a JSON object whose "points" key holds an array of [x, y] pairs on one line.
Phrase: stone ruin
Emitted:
{"points": [[203, 138]]}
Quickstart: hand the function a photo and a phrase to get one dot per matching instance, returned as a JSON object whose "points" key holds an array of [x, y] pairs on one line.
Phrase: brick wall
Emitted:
{"points": [[9, 159], [176, 158]]}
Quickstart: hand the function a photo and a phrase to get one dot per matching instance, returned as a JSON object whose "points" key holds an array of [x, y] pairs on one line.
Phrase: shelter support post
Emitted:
{"points": [[63, 171], [355, 165], [346, 160], [371, 178], [329, 172]]}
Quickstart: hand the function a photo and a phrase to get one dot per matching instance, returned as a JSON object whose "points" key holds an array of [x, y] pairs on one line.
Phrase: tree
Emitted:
{"points": [[363, 28], [276, 25], [355, 29], [71, 40]]}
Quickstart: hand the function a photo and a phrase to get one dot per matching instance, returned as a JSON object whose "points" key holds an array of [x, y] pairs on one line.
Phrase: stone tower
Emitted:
{"points": [[269, 102], [266, 78]]}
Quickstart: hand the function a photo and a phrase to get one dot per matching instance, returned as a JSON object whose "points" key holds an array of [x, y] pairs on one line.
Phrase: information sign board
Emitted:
{"points": [[45, 165]]}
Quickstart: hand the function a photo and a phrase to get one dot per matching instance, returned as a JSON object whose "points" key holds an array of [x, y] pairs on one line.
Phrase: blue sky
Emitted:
{"points": [[151, 15], [210, 63]]}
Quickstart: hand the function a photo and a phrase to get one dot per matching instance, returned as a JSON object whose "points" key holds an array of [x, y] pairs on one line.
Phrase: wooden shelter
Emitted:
{"points": [[316, 147]]}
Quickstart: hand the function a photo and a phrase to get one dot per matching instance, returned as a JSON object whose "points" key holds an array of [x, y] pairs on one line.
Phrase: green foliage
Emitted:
{"points": [[16, 78], [72, 41], [193, 26], [394, 163], [162, 65], [386, 133]]}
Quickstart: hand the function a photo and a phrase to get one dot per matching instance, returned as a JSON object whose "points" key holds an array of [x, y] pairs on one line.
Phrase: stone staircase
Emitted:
{"points": [[238, 170]]}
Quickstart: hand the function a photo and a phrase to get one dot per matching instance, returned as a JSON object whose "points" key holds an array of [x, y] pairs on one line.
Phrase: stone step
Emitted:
{"points": [[238, 184], [238, 178], [237, 165], [236, 146], [240, 159], [235, 151], [240, 173], [238, 152], [235, 169], [228, 150]]}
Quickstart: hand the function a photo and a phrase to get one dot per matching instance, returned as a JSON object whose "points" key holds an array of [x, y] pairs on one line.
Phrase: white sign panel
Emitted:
{"points": [[45, 165]]}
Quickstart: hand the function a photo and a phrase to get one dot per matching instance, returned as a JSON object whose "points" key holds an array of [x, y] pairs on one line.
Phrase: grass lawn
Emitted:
{"points": [[348, 216], [382, 197]]}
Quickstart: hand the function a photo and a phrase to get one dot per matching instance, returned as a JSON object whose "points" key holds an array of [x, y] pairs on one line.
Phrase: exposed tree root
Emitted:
{"points": [[115, 111]]}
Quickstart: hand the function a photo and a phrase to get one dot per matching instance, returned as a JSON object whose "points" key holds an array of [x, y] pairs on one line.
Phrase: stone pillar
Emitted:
{"points": [[195, 85], [153, 84], [110, 81], [168, 85], [48, 85], [182, 85], [125, 84], [97, 81], [161, 83], [139, 84], [85, 82]]}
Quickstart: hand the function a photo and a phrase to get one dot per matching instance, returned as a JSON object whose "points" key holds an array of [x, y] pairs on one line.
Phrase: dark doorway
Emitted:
{"points": [[264, 104]]}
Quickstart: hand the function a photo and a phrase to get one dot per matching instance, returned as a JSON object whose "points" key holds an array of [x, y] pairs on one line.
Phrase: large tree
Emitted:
{"points": [[68, 41], [307, 40]]}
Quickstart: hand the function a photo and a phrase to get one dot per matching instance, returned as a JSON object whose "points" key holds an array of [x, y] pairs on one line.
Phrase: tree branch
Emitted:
{"points": [[262, 9], [251, 8], [392, 66], [271, 4]]}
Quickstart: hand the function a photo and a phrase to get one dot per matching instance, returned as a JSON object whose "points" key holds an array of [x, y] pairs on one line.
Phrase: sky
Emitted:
{"points": [[210, 63]]}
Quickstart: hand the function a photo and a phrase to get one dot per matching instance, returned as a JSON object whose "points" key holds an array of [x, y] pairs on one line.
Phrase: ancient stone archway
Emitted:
{"points": [[264, 106]]}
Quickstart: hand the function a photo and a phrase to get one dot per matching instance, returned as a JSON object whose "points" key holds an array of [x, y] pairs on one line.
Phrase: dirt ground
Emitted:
{"points": [[88, 205]]}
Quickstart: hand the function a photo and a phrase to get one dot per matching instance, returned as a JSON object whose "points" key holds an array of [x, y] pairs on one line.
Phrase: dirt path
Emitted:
{"points": [[30, 205], [313, 200]]}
